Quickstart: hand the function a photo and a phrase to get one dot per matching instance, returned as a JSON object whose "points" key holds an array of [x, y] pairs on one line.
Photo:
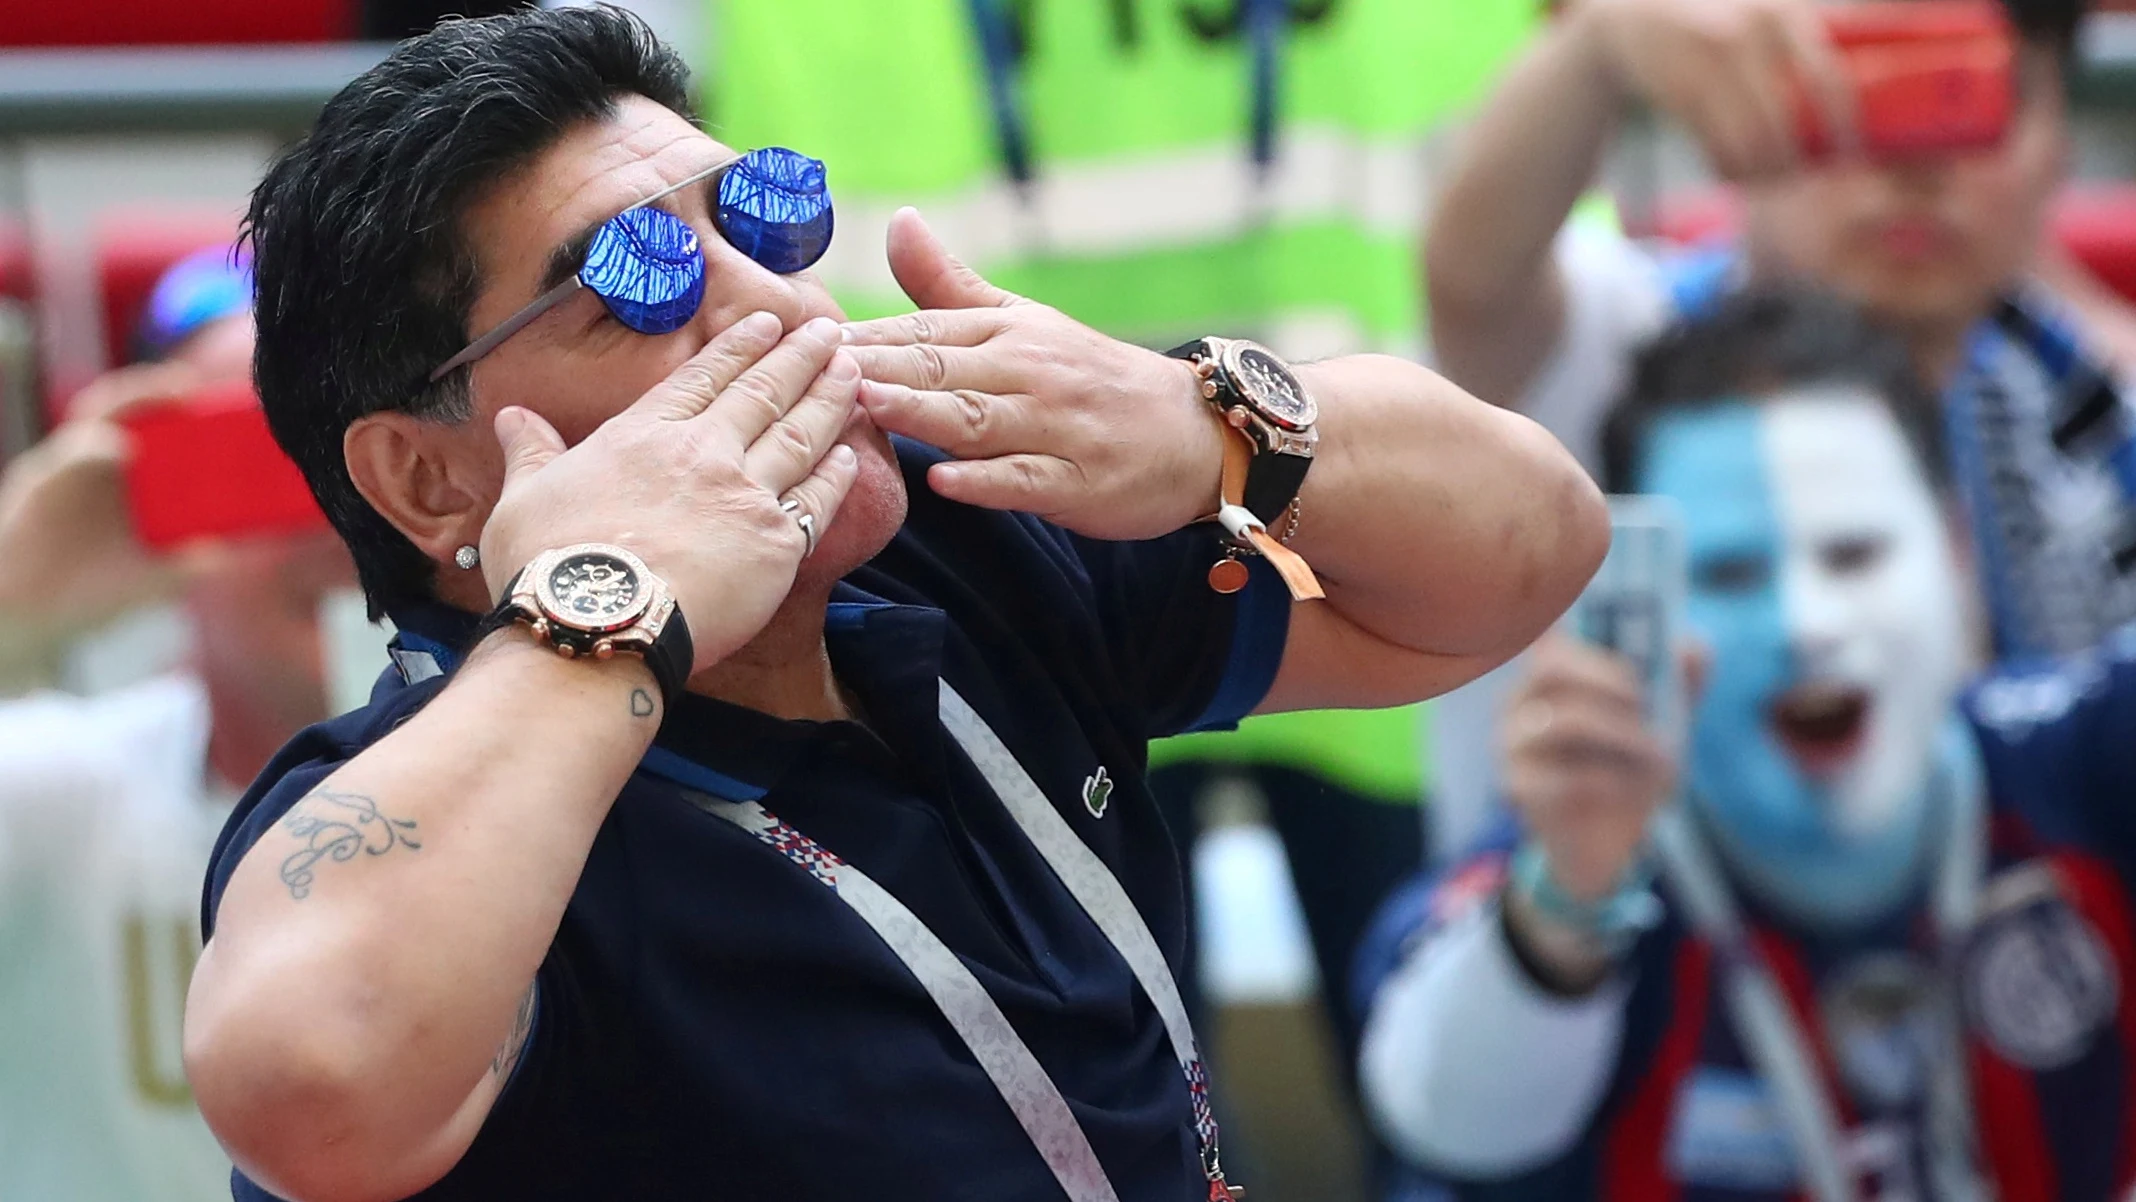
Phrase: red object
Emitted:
{"points": [[1634, 1156], [16, 279], [207, 467], [168, 23], [1930, 77], [2096, 224], [133, 250]]}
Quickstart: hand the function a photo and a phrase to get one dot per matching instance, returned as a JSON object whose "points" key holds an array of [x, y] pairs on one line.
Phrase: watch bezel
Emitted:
{"points": [[551, 607], [1230, 358]]}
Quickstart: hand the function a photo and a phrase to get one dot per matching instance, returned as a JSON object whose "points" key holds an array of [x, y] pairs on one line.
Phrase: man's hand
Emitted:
{"points": [[1043, 414], [1581, 769], [691, 476], [1725, 68], [68, 556]]}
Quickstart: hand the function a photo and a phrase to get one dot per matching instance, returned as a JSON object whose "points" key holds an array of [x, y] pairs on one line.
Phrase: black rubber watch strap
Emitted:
{"points": [[1272, 482], [669, 658], [506, 613]]}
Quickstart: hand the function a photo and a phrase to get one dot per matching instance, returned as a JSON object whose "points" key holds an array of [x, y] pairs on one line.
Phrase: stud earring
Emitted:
{"points": [[467, 557]]}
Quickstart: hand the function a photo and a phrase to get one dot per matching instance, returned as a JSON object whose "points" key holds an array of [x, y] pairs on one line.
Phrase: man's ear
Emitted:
{"points": [[429, 479]]}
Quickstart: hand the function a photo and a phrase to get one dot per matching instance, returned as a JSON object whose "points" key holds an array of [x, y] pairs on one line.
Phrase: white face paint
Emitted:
{"points": [[1824, 586], [1871, 594]]}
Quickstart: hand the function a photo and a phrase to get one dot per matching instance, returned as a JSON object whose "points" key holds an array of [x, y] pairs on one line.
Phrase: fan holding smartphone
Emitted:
{"points": [[161, 466], [163, 486], [1902, 154], [1852, 931]]}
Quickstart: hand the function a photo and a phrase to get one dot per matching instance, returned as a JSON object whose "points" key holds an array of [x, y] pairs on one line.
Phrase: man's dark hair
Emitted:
{"points": [[2050, 23], [363, 271], [1756, 343]]}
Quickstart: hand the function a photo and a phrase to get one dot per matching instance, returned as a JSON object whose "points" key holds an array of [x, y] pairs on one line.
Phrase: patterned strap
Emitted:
{"points": [[1002, 1055], [1102, 898], [1778, 1047], [1008, 1063]]}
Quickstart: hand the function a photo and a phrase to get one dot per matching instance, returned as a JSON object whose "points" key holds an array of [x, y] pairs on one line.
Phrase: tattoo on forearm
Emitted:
{"points": [[515, 1044], [641, 704], [336, 826]]}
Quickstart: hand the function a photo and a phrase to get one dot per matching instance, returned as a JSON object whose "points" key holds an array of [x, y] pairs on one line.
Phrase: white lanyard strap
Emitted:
{"points": [[1775, 1042], [1007, 1061], [1099, 893], [1777, 1046], [1001, 1052]]}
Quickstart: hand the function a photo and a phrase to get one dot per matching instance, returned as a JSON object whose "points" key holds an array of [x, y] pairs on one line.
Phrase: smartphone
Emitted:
{"points": [[1634, 606], [1929, 76], [207, 467]]}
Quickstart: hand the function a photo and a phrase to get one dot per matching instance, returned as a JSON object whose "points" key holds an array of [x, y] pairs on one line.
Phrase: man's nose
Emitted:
{"points": [[1920, 175], [736, 286], [1817, 616], [790, 305]]}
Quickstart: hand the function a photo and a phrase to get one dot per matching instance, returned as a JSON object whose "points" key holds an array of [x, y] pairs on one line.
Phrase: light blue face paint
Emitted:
{"points": [[1774, 824]]}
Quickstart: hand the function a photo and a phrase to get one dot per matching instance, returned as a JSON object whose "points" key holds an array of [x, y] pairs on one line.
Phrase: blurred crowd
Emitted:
{"points": [[1816, 884]]}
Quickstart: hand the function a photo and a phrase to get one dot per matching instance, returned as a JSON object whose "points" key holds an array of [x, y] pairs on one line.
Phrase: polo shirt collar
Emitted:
{"points": [[890, 655]]}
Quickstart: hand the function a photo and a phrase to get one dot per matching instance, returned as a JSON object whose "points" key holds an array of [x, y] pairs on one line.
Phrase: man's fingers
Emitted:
{"points": [[933, 277], [967, 422], [1736, 136], [931, 367], [1822, 74], [528, 440], [789, 450], [139, 386], [821, 494], [691, 388], [1029, 483], [772, 385], [1563, 733], [1570, 671], [941, 327], [1764, 68]]}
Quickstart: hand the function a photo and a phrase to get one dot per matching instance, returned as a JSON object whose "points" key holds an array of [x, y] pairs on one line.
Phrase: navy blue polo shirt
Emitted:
{"points": [[713, 1023]]}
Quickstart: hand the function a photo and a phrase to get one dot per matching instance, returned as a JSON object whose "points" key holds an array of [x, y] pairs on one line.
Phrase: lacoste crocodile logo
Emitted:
{"points": [[1097, 793]]}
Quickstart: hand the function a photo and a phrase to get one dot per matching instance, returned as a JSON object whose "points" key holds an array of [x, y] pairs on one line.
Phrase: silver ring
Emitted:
{"points": [[803, 519]]}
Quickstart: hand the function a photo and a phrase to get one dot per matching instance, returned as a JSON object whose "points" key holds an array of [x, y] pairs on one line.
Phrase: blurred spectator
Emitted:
{"points": [[1929, 246], [68, 560], [68, 563], [109, 806], [1543, 314], [1887, 951]]}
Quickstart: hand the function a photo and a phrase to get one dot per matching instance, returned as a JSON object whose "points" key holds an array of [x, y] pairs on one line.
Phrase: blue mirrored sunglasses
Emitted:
{"points": [[646, 265]]}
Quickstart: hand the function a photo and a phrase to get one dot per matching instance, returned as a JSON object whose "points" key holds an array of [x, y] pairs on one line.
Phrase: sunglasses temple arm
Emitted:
{"points": [[510, 326]]}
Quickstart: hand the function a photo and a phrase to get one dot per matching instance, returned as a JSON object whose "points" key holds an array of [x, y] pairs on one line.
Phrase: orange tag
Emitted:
{"points": [[1228, 576], [1304, 586]]}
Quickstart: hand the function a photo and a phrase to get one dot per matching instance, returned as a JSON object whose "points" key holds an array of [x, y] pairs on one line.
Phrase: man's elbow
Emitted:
{"points": [[1562, 536], [297, 1103], [1583, 532]]}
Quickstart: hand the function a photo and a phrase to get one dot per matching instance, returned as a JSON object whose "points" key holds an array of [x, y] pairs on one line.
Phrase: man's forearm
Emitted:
{"points": [[1438, 523], [373, 950], [1496, 299]]}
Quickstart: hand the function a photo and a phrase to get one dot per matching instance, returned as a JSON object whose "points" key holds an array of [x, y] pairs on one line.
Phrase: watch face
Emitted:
{"points": [[594, 590], [1270, 387]]}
